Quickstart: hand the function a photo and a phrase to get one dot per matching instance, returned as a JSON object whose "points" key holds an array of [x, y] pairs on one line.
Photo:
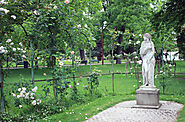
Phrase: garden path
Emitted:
{"points": [[123, 112]]}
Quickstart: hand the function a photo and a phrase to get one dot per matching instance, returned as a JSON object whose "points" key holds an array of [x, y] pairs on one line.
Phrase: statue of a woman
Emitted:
{"points": [[147, 54]]}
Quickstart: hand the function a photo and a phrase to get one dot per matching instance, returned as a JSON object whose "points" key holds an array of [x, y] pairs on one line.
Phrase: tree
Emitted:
{"points": [[53, 25], [124, 16], [171, 17]]}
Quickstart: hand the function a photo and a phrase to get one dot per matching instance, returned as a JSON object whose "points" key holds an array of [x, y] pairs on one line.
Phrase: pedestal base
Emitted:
{"points": [[147, 97]]}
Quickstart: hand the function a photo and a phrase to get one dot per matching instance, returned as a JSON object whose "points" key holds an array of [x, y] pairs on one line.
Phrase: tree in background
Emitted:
{"points": [[171, 17], [53, 25], [128, 16]]}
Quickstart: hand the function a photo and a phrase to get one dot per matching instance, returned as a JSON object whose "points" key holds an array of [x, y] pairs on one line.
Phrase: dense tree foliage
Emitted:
{"points": [[53, 25], [171, 19], [130, 18]]}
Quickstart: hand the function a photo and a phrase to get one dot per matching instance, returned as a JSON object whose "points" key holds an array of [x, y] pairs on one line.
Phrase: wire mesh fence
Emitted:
{"points": [[117, 83]]}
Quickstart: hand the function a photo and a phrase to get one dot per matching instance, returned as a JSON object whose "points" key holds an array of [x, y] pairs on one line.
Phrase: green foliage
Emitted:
{"points": [[167, 21], [164, 75], [181, 43], [93, 81], [60, 83]]}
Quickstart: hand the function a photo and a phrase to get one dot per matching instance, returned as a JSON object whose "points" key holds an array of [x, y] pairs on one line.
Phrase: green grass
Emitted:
{"points": [[124, 89], [79, 113]]}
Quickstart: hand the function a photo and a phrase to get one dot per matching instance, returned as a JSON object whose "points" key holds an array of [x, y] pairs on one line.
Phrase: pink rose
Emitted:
{"points": [[35, 89], [66, 1], [34, 102], [14, 94], [20, 106], [79, 26], [72, 52]]}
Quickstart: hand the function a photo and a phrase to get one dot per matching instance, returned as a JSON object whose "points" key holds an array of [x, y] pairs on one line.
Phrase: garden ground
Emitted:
{"points": [[124, 89]]}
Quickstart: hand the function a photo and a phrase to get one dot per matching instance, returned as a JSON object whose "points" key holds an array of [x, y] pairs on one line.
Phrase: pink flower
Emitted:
{"points": [[55, 7], [13, 16], [79, 26], [2, 2], [34, 102], [14, 49], [5, 10], [12, 43], [23, 56], [66, 1], [69, 86], [61, 64], [5, 51], [35, 12], [27, 95], [85, 26], [32, 98], [20, 106], [44, 74], [9, 40], [20, 44], [14, 94], [72, 52], [19, 89], [139, 62], [35, 89], [18, 96], [38, 101], [21, 94]]}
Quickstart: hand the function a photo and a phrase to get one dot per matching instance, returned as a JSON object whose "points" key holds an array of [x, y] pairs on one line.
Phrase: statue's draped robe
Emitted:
{"points": [[147, 55]]}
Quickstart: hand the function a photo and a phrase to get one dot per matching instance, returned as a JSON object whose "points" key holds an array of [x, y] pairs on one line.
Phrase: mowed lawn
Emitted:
{"points": [[124, 88]]}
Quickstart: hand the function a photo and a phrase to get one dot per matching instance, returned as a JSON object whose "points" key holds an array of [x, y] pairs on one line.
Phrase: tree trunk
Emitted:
{"points": [[102, 45], [99, 53], [99, 57], [82, 54], [118, 49]]}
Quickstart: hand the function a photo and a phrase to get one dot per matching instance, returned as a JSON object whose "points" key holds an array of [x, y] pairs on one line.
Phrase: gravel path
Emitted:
{"points": [[123, 112]]}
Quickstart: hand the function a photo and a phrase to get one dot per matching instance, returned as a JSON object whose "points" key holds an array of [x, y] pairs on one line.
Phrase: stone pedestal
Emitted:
{"points": [[147, 97]]}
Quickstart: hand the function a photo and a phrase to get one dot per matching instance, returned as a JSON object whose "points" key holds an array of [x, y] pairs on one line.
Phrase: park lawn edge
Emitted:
{"points": [[92, 108]]}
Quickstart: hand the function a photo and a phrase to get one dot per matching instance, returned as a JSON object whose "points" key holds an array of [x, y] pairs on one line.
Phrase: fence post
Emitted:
{"points": [[54, 92], [113, 82], [32, 68], [2, 94], [112, 68]]}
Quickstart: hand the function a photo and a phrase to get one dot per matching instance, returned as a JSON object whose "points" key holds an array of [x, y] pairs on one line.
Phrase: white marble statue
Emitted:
{"points": [[147, 54]]}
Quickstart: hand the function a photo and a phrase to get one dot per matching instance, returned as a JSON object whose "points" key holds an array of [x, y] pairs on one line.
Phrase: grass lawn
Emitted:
{"points": [[79, 113], [124, 89]]}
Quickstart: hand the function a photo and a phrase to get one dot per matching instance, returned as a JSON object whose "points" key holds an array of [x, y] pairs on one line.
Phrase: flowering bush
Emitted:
{"points": [[93, 81], [164, 75], [26, 97], [60, 74]]}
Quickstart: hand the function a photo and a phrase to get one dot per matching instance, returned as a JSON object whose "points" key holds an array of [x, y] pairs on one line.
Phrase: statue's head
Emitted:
{"points": [[147, 37]]}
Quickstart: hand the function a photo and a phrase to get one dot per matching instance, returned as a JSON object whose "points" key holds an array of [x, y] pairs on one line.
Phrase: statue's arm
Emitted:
{"points": [[142, 50], [153, 51], [141, 54]]}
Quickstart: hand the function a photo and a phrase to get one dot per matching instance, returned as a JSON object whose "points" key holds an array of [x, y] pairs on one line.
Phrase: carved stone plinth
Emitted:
{"points": [[147, 97]]}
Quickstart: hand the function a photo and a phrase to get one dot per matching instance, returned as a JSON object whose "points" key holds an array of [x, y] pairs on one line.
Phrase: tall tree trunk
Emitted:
{"points": [[102, 45], [99, 46], [82, 54], [118, 49]]}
